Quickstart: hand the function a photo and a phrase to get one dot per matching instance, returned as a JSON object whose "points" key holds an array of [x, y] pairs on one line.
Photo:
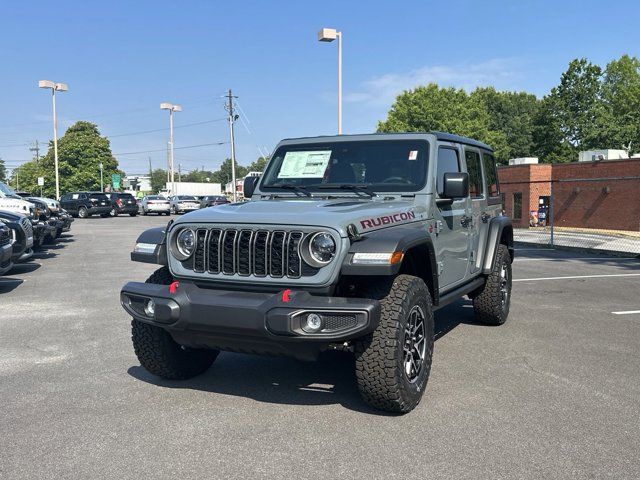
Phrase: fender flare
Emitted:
{"points": [[499, 227], [153, 236], [390, 240]]}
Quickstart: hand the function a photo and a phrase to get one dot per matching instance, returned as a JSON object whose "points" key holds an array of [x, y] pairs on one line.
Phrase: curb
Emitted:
{"points": [[596, 251]]}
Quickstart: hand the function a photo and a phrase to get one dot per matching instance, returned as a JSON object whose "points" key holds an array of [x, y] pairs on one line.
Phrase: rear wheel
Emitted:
{"points": [[393, 362], [159, 353], [491, 304], [82, 212], [113, 212], [144, 212]]}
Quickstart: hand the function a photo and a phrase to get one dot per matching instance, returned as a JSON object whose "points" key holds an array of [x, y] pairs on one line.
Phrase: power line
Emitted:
{"points": [[176, 148], [165, 129]]}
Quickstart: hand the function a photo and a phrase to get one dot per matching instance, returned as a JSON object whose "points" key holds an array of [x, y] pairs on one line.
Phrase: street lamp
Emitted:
{"points": [[101, 184], [55, 87], [329, 35], [172, 108]]}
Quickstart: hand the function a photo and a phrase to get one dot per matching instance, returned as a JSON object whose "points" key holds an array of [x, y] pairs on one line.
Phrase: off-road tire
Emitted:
{"points": [[380, 371], [83, 213], [488, 306], [159, 353]]}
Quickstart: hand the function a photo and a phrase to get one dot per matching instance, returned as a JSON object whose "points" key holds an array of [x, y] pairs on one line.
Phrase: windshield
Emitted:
{"points": [[7, 191], [185, 197], [379, 165]]}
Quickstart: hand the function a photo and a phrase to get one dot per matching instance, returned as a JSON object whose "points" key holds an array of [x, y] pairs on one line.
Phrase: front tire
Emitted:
{"points": [[491, 305], [393, 362], [113, 212], [159, 353], [83, 213]]}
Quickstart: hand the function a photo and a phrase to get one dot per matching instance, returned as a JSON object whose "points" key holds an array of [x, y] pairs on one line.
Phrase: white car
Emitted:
{"points": [[155, 204], [183, 203], [11, 202]]}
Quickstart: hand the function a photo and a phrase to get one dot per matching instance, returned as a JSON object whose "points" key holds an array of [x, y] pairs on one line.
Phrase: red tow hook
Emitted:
{"points": [[173, 287], [286, 296]]}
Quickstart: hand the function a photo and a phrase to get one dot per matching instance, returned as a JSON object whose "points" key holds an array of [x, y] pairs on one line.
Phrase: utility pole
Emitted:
{"points": [[232, 118], [101, 184], [36, 149], [150, 170], [179, 173]]}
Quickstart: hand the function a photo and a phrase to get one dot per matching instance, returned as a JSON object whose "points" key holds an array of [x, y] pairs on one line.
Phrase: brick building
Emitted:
{"points": [[602, 195]]}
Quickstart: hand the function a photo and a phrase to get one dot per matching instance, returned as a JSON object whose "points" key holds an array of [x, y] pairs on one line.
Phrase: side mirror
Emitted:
{"points": [[455, 185], [249, 186]]}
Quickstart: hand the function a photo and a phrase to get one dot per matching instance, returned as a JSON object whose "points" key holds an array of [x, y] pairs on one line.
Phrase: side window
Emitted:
{"points": [[447, 162], [491, 174], [517, 206], [65, 198], [475, 173]]}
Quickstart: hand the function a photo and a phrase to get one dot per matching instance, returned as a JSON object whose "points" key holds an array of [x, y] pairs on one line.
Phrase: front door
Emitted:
{"points": [[452, 240]]}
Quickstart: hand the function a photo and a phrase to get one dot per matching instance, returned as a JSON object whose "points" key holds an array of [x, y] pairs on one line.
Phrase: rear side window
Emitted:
{"points": [[475, 173], [99, 196], [448, 161], [491, 174]]}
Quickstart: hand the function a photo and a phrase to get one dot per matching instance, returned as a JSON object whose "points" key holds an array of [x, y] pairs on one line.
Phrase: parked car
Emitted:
{"points": [[183, 203], [12, 202], [86, 204], [213, 200], [45, 226], [155, 204], [122, 203], [57, 213], [21, 233], [6, 248], [391, 228]]}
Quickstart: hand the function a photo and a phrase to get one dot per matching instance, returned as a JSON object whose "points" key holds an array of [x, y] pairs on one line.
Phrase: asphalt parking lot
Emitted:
{"points": [[554, 393]]}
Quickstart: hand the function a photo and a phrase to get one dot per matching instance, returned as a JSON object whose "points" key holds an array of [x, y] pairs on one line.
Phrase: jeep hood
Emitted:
{"points": [[338, 213]]}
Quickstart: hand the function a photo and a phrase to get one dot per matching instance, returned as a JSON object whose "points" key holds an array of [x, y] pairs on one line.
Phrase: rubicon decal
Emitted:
{"points": [[387, 220]]}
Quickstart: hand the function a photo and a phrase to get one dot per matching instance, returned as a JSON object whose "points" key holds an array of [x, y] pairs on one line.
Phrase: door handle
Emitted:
{"points": [[465, 221], [485, 217]]}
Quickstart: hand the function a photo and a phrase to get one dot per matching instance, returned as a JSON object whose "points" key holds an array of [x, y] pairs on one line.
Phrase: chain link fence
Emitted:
{"points": [[590, 213]]}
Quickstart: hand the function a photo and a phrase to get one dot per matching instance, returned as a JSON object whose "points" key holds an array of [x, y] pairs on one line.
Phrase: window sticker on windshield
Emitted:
{"points": [[309, 164], [413, 155]]}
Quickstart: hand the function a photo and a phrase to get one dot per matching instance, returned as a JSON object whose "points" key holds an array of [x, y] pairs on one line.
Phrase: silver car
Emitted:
{"points": [[183, 203], [155, 204]]}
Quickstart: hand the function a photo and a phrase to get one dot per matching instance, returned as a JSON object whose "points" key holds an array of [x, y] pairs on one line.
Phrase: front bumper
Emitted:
{"points": [[248, 321]]}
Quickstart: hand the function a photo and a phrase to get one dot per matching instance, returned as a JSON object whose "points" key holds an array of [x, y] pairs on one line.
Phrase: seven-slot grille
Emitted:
{"points": [[28, 229], [262, 253]]}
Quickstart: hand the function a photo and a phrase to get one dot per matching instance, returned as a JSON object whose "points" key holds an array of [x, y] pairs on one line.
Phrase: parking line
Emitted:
{"points": [[573, 258], [630, 312], [575, 276]]}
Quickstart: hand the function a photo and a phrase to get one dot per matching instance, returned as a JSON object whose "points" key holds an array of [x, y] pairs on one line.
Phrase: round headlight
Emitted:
{"points": [[322, 247], [186, 242]]}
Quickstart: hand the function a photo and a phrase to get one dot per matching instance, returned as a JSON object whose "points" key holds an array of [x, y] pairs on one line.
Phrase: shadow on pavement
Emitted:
{"points": [[330, 380], [21, 268], [9, 284]]}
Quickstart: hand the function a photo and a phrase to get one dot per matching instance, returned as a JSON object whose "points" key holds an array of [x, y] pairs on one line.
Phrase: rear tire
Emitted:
{"points": [[491, 304], [133, 214], [393, 362], [113, 212], [82, 212], [159, 353], [144, 212]]}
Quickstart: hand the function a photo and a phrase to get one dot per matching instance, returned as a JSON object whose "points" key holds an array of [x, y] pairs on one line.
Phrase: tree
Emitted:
{"points": [[80, 151], [223, 174], [259, 165], [3, 171], [621, 97], [158, 180]]}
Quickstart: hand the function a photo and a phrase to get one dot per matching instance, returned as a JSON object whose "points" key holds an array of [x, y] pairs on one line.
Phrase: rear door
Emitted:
{"points": [[452, 240]]}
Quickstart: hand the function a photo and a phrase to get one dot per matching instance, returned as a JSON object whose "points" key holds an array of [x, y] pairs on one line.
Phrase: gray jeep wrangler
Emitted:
{"points": [[347, 242]]}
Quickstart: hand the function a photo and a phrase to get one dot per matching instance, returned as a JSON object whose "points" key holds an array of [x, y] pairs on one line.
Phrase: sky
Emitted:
{"points": [[121, 59]]}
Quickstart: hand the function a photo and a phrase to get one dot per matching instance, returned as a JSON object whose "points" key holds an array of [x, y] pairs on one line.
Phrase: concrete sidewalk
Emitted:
{"points": [[592, 240]]}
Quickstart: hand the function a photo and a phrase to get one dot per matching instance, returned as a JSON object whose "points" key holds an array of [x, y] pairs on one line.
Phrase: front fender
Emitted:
{"points": [[151, 246]]}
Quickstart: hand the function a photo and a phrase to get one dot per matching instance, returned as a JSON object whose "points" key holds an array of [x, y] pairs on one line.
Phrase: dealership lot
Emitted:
{"points": [[554, 393]]}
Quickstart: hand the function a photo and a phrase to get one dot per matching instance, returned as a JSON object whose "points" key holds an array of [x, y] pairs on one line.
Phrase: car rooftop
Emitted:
{"points": [[444, 136]]}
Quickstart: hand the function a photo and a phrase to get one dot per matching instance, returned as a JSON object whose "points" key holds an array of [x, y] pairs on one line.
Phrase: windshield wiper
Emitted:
{"points": [[357, 188], [289, 186]]}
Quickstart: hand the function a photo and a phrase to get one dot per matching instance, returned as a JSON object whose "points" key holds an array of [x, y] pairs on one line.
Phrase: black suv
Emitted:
{"points": [[123, 203], [85, 204], [213, 200]]}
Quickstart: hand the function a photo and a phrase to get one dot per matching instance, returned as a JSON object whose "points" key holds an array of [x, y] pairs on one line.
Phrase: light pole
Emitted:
{"points": [[101, 185], [172, 108], [329, 35], [55, 87]]}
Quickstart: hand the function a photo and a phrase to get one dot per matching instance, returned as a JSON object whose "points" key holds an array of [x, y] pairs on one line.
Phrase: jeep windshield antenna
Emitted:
{"points": [[288, 186], [232, 118], [349, 186]]}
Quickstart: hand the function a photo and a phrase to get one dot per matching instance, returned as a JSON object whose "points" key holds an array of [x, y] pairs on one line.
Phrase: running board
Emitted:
{"points": [[455, 294]]}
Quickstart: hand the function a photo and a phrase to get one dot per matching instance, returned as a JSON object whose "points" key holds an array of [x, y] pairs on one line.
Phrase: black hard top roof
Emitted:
{"points": [[445, 137]]}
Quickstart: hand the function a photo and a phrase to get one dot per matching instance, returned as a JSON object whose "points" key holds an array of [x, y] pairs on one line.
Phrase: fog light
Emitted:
{"points": [[313, 323], [150, 308]]}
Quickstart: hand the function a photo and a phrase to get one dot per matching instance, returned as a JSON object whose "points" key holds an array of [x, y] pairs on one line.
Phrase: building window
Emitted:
{"points": [[517, 206]]}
